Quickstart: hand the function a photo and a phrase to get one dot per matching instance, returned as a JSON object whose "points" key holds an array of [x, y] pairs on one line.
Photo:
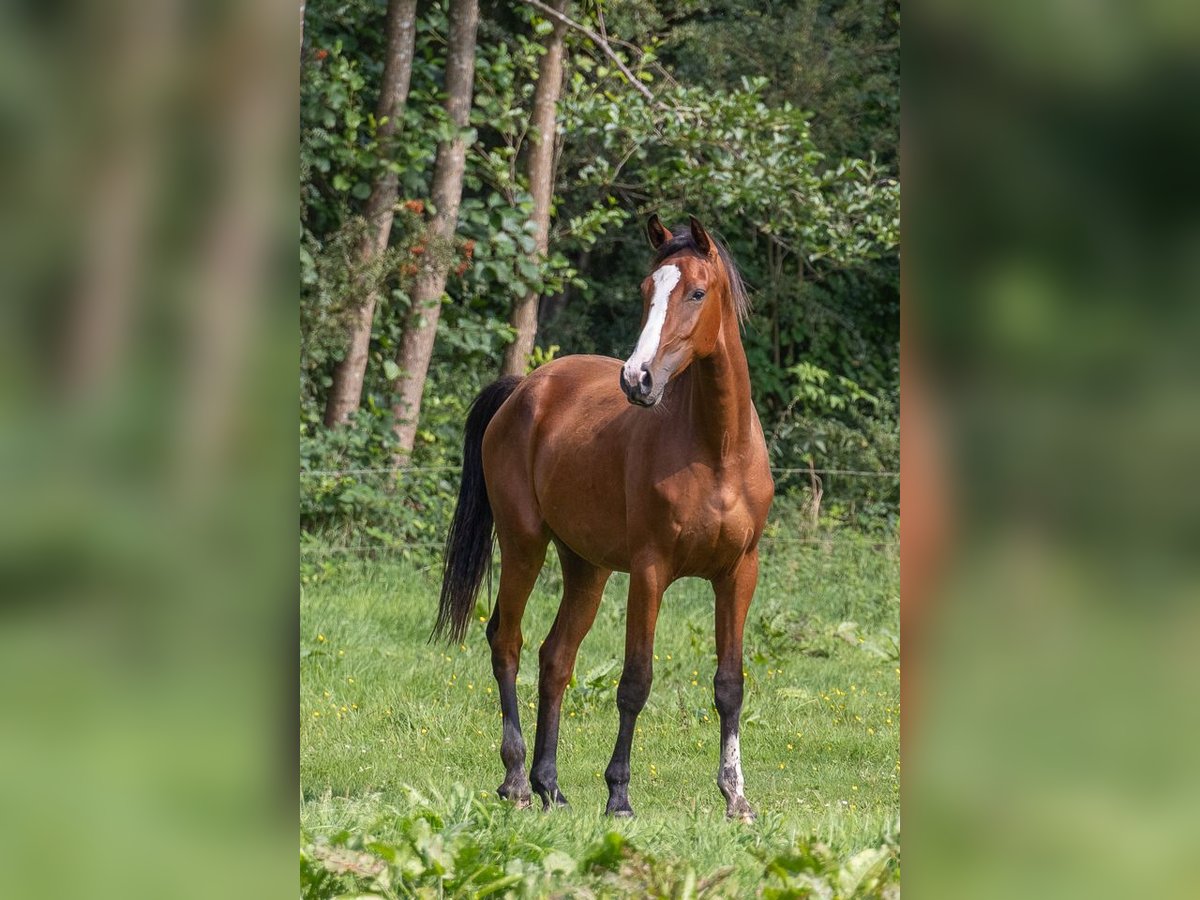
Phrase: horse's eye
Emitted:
{"points": [[697, 295]]}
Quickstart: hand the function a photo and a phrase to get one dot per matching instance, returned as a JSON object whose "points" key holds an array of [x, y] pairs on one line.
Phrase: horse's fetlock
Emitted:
{"points": [[512, 750], [617, 774], [543, 776]]}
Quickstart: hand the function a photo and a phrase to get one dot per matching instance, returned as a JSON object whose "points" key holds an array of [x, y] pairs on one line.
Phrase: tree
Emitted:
{"points": [[346, 391], [416, 347], [541, 185]]}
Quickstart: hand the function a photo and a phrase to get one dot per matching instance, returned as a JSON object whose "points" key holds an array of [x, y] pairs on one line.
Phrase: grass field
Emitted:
{"points": [[399, 742]]}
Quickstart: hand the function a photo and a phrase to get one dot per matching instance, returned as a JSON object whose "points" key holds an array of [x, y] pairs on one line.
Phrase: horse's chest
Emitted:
{"points": [[712, 529]]}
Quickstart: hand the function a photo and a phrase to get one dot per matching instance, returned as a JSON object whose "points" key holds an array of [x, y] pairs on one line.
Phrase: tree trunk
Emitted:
{"points": [[541, 184], [420, 330], [346, 390]]}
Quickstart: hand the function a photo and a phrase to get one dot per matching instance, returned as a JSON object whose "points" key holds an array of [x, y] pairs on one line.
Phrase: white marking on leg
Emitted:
{"points": [[665, 280], [731, 765]]}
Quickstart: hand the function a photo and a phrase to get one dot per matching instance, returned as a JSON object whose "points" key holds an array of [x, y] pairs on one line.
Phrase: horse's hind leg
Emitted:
{"points": [[519, 567], [583, 586]]}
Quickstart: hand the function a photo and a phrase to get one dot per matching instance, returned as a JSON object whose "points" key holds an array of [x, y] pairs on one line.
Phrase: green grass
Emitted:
{"points": [[399, 740]]}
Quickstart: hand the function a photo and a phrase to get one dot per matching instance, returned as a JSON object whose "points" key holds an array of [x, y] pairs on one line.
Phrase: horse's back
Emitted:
{"points": [[561, 398]]}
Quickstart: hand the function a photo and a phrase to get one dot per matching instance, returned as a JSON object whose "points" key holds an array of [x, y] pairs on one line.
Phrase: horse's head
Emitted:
{"points": [[685, 298]]}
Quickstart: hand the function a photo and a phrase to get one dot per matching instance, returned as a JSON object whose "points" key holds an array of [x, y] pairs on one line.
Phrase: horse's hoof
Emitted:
{"points": [[550, 800], [625, 813], [740, 811], [521, 799]]}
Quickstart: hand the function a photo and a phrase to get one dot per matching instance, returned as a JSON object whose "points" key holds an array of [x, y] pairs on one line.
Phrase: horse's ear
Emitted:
{"points": [[657, 231], [700, 236]]}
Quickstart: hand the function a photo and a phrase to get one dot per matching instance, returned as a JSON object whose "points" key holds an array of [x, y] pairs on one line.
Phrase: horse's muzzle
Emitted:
{"points": [[638, 386]]}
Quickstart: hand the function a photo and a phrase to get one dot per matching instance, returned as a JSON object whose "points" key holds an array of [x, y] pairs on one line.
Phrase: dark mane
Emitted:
{"points": [[681, 240]]}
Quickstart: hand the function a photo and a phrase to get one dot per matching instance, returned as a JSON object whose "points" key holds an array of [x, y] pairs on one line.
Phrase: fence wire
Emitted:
{"points": [[399, 547], [339, 473], [354, 549]]}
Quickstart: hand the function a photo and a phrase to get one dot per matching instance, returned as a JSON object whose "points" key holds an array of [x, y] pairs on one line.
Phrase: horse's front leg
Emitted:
{"points": [[734, 592], [645, 593]]}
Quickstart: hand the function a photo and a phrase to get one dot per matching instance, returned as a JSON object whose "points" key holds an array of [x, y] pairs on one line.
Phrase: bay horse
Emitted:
{"points": [[664, 478]]}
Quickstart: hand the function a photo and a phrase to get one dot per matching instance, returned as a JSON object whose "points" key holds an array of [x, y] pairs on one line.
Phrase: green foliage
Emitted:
{"points": [[734, 160], [542, 355], [373, 506], [445, 847], [812, 870], [832, 423], [435, 844], [839, 61]]}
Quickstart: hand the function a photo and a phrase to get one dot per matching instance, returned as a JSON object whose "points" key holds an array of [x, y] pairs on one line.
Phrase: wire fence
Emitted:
{"points": [[401, 546], [340, 473], [397, 547]]}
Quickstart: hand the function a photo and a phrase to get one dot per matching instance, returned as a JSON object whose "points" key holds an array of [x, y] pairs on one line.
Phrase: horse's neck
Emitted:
{"points": [[721, 408]]}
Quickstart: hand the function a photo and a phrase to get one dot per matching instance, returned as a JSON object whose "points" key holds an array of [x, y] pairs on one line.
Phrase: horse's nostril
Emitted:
{"points": [[646, 380]]}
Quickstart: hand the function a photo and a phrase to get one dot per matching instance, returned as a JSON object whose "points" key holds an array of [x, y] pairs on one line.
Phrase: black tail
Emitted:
{"points": [[469, 544]]}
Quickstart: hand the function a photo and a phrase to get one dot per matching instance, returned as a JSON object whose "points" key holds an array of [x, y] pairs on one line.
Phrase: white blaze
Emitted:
{"points": [[665, 280]]}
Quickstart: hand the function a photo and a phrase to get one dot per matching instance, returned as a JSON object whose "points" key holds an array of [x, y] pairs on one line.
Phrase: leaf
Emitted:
{"points": [[607, 854], [862, 870], [439, 857], [497, 885], [343, 861], [391, 370], [597, 674], [688, 891], [558, 863], [807, 885], [848, 632]]}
